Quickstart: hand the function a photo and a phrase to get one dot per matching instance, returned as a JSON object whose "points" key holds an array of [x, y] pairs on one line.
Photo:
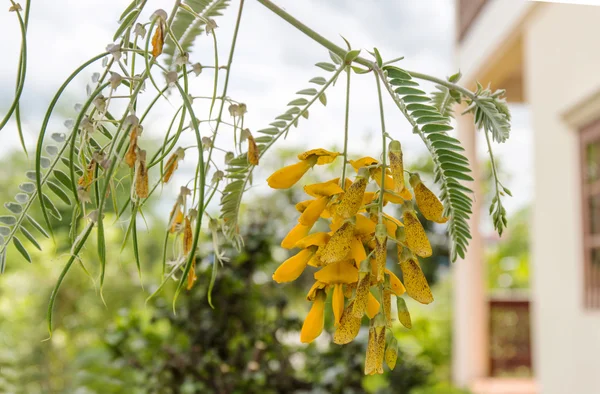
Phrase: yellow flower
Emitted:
{"points": [[313, 211], [337, 302], [323, 156], [339, 245], [429, 205], [364, 225], [372, 306], [131, 154], [328, 188], [253, 153], [380, 251], [293, 267], [353, 197], [363, 162], [375, 348], [176, 218], [287, 176], [313, 324], [403, 314], [414, 279], [315, 239], [416, 239], [88, 176], [391, 353], [396, 165], [312, 293], [302, 205], [363, 290], [395, 284], [340, 272], [348, 328], [387, 307], [295, 235]]}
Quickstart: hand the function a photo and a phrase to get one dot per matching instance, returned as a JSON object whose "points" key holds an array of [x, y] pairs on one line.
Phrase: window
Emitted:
{"points": [[590, 191]]}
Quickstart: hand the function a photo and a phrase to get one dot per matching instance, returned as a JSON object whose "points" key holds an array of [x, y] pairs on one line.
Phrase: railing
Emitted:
{"points": [[467, 12], [510, 337]]}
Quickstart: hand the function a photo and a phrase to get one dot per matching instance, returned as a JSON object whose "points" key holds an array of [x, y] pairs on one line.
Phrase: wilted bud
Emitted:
{"points": [[233, 109], [171, 78], [100, 103], [218, 175], [241, 110], [131, 154], [403, 313], [114, 50], [197, 68], [183, 58], [160, 13], [173, 164], [141, 175], [15, 7], [206, 143], [115, 80], [228, 157], [253, 154], [139, 30], [211, 25]]}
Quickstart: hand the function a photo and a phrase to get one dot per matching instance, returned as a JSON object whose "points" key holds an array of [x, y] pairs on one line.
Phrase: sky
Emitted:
{"points": [[272, 62]]}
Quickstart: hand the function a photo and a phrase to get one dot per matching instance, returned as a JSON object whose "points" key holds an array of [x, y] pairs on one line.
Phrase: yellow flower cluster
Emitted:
{"points": [[350, 259]]}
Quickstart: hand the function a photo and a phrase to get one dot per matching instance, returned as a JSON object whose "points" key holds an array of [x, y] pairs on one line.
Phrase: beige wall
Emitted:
{"points": [[562, 67]]}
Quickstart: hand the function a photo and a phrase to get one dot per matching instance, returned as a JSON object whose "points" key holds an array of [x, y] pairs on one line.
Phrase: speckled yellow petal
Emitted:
{"points": [[380, 256], [372, 306], [340, 272], [429, 205], [395, 284], [315, 239], [339, 245], [293, 267], [406, 194], [358, 251], [313, 211], [287, 176], [396, 165], [403, 313], [394, 199], [337, 303], [324, 156], [362, 162], [353, 197], [375, 351], [391, 353], [253, 152], [364, 225], [295, 235], [387, 307], [416, 239], [328, 188], [313, 324], [415, 281], [363, 290], [348, 328]]}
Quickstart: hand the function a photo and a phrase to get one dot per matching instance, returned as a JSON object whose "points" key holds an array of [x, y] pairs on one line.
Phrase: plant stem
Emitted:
{"points": [[383, 148], [343, 179]]}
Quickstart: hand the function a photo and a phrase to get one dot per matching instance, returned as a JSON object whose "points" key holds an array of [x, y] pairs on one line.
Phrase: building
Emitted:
{"points": [[546, 55]]}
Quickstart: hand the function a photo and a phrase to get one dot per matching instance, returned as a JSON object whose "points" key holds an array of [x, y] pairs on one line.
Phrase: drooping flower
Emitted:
{"points": [[396, 285], [131, 153], [253, 153], [296, 234], [348, 328], [363, 289], [373, 306], [414, 279], [293, 267], [339, 244], [322, 189], [173, 163], [314, 321], [141, 175], [88, 176], [380, 251], [416, 238], [391, 353], [337, 274], [353, 197], [396, 165], [375, 347], [323, 156], [313, 211], [428, 203], [287, 176], [403, 313]]}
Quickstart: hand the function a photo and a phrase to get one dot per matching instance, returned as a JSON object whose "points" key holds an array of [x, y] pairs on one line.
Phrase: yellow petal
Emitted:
{"points": [[387, 307], [340, 272], [358, 251], [295, 235], [293, 267], [375, 351], [324, 156], [416, 239], [313, 324], [337, 302], [352, 199], [391, 353], [395, 283], [312, 213], [328, 188], [348, 328], [339, 245], [403, 314], [253, 153], [368, 197], [389, 181], [396, 165], [362, 162], [301, 206], [415, 281], [363, 290], [372, 306], [428, 203], [287, 176], [312, 293], [315, 239], [380, 256], [364, 225]]}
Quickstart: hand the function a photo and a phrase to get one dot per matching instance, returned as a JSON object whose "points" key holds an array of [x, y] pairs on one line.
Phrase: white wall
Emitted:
{"points": [[562, 67]]}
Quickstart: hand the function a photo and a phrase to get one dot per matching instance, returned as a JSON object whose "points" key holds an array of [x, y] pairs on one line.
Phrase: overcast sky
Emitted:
{"points": [[272, 61]]}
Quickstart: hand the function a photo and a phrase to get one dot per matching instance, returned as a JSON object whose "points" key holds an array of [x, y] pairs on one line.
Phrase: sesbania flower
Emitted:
{"points": [[348, 261], [173, 163]]}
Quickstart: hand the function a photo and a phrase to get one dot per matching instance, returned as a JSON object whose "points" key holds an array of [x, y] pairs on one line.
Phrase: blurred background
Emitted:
{"points": [[519, 315]]}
